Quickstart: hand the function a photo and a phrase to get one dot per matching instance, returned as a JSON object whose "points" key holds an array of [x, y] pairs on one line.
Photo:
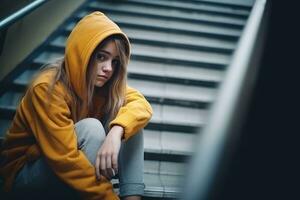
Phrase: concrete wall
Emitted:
{"points": [[25, 35]]}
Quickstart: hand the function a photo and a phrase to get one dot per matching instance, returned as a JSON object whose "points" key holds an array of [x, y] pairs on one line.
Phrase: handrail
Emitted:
{"points": [[20, 13], [218, 139]]}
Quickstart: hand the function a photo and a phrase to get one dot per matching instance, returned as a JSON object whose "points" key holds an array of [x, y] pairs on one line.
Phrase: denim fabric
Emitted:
{"points": [[37, 176], [131, 169]]}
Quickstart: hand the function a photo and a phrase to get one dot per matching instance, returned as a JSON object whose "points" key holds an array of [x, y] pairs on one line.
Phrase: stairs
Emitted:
{"points": [[180, 50]]}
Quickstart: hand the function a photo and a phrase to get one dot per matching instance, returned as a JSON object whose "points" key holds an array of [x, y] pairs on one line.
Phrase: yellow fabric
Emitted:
{"points": [[43, 128], [135, 115]]}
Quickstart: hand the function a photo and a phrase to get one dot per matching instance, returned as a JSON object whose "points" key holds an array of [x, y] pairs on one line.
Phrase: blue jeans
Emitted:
{"points": [[37, 177]]}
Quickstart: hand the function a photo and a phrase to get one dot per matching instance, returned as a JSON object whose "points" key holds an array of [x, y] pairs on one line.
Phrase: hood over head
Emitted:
{"points": [[88, 33]]}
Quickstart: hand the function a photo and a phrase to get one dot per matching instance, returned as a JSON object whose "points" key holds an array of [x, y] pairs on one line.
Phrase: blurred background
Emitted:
{"points": [[212, 71]]}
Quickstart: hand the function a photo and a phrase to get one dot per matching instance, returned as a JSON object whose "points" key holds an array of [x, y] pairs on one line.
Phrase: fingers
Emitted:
{"points": [[97, 166], [107, 157], [103, 165], [115, 162], [108, 167], [113, 172]]}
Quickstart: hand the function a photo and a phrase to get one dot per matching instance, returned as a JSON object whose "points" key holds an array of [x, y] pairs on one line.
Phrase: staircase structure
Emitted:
{"points": [[180, 51]]}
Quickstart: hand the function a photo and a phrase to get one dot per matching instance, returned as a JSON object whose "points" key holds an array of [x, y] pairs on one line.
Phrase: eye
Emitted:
{"points": [[116, 63], [100, 57]]}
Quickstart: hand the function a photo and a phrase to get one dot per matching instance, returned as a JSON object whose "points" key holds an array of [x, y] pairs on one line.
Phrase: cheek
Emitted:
{"points": [[98, 68], [113, 71]]}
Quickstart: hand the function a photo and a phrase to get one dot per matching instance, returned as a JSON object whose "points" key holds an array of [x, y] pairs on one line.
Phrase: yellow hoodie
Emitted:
{"points": [[37, 130]]}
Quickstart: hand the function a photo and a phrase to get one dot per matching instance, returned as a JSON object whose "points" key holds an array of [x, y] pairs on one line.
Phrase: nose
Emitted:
{"points": [[107, 66]]}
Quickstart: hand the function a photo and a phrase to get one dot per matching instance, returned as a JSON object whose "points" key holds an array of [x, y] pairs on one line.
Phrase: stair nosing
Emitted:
{"points": [[152, 99], [218, 3], [152, 122], [157, 58], [238, 15], [152, 15], [211, 83], [200, 47], [218, 35]]}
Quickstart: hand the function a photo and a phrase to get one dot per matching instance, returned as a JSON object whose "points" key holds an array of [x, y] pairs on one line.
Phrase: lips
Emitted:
{"points": [[102, 77]]}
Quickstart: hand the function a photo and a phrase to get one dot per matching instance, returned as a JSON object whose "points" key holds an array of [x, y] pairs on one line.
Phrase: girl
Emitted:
{"points": [[57, 143]]}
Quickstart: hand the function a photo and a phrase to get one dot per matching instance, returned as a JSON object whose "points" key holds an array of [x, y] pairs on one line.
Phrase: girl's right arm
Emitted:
{"points": [[54, 131]]}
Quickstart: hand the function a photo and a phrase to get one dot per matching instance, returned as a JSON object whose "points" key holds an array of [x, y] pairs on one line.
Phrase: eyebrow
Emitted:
{"points": [[107, 52]]}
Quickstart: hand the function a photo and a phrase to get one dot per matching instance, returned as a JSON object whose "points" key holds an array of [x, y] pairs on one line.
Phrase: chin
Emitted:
{"points": [[99, 84]]}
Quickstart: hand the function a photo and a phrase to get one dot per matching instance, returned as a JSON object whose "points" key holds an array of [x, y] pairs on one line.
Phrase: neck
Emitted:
{"points": [[100, 91]]}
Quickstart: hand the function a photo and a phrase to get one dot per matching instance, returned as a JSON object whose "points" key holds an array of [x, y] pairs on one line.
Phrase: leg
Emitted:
{"points": [[131, 167], [90, 136], [36, 180], [37, 177]]}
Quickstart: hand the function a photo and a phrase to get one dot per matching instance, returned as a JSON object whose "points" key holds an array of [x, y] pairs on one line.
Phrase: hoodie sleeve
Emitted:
{"points": [[134, 115], [54, 131]]}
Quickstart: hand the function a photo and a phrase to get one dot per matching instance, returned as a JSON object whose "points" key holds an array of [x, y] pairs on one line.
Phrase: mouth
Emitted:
{"points": [[102, 77]]}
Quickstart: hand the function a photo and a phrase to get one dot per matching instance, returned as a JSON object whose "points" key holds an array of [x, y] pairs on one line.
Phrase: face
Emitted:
{"points": [[105, 59]]}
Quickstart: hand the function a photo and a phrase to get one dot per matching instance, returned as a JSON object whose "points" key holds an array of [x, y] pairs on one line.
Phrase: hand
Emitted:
{"points": [[107, 156]]}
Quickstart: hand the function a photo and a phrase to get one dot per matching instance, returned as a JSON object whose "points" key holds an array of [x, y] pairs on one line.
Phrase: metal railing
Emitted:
{"points": [[11, 19], [20, 13], [218, 139]]}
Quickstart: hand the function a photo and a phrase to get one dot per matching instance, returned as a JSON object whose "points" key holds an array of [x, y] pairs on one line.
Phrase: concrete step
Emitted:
{"points": [[185, 75], [169, 143], [51, 55], [163, 186], [169, 24], [180, 54], [149, 88], [158, 145], [140, 36], [243, 5], [4, 125], [164, 168], [158, 28], [170, 54], [150, 68], [174, 91], [10, 99], [194, 7], [181, 39], [25, 77], [161, 12], [48, 57], [177, 118], [159, 95], [7, 113], [165, 116], [163, 176]]}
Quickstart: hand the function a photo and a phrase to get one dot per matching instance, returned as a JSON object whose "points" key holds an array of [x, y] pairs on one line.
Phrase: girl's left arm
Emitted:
{"points": [[134, 115]]}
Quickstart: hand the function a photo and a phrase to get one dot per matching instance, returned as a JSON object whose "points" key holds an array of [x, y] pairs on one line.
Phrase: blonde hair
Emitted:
{"points": [[115, 87]]}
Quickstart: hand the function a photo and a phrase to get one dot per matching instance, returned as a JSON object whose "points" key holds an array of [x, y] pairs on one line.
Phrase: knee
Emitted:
{"points": [[137, 138], [91, 128]]}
